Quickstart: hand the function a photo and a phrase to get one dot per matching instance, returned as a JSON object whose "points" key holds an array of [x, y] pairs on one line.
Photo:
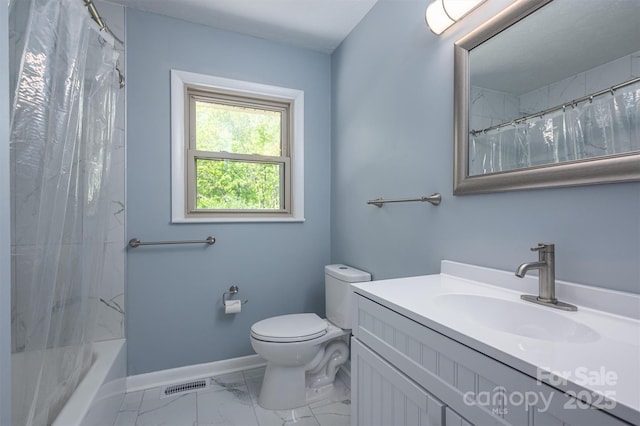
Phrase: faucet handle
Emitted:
{"points": [[544, 247]]}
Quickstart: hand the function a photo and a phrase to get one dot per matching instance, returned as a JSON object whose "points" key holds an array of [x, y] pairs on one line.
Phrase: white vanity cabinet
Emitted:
{"points": [[404, 373], [386, 396], [453, 419]]}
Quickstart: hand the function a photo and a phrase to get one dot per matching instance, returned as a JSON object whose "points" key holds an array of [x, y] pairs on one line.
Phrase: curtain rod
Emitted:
{"points": [[102, 26], [558, 107], [95, 15]]}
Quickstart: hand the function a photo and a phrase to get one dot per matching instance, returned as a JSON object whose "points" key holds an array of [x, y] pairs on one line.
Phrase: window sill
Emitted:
{"points": [[239, 220]]}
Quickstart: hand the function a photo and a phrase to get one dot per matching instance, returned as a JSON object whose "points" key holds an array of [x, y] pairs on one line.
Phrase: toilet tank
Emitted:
{"points": [[338, 292]]}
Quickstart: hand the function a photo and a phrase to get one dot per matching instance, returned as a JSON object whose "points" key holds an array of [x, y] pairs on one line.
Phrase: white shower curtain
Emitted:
{"points": [[607, 125], [61, 130]]}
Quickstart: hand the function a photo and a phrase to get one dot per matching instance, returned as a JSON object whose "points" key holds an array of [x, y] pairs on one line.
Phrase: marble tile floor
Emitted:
{"points": [[230, 400]]}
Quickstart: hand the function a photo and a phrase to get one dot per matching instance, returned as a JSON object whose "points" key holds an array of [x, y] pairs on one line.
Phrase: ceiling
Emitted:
{"points": [[314, 24], [561, 39]]}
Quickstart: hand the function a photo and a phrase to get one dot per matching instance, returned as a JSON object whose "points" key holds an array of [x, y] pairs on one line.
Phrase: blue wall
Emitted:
{"points": [[174, 311], [379, 122], [392, 115]]}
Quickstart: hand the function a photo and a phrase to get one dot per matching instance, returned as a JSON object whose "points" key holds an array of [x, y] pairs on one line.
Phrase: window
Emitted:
{"points": [[237, 150], [238, 154]]}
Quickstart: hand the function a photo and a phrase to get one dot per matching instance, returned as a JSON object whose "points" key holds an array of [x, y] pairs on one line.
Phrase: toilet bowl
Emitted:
{"points": [[303, 351], [298, 368]]}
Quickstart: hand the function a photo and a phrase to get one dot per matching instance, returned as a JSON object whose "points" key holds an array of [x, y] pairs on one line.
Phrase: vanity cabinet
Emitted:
{"points": [[453, 419], [385, 396], [404, 373]]}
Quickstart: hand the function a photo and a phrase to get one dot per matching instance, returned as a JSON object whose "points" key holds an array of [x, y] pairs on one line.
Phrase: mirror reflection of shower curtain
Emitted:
{"points": [[606, 125], [61, 131]]}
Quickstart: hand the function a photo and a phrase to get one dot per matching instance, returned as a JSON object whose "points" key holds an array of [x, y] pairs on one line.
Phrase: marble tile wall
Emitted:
{"points": [[109, 304], [582, 84], [490, 107]]}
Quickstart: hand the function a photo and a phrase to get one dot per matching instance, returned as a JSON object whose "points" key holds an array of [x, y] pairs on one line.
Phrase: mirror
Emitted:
{"points": [[547, 94]]}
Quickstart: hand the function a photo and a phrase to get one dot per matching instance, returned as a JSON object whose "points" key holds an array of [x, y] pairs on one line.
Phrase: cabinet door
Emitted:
{"points": [[382, 395], [451, 418]]}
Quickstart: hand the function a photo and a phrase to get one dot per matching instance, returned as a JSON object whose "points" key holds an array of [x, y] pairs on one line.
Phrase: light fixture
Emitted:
{"points": [[441, 14]]}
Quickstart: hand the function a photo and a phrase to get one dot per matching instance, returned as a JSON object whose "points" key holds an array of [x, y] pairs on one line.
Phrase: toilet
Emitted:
{"points": [[303, 351]]}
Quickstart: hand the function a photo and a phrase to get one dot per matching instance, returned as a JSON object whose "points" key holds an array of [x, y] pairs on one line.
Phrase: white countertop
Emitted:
{"points": [[608, 365]]}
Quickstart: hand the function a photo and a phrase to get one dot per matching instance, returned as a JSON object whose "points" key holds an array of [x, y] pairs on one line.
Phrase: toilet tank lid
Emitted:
{"points": [[347, 273]]}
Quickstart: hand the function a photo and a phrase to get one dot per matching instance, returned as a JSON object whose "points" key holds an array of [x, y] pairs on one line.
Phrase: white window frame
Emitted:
{"points": [[180, 81]]}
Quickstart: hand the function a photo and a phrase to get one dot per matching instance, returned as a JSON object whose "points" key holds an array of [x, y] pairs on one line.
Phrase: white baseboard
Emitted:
{"points": [[192, 372]]}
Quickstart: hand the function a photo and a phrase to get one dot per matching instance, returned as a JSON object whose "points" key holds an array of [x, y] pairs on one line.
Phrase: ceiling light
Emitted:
{"points": [[441, 14]]}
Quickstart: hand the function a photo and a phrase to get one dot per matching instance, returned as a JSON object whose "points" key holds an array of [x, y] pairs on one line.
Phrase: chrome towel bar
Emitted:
{"points": [[134, 242], [434, 199]]}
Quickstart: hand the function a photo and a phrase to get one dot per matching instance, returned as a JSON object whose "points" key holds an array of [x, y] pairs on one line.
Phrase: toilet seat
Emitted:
{"points": [[289, 328]]}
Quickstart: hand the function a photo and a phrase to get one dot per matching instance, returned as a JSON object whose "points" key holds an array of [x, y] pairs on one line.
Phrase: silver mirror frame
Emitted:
{"points": [[606, 169]]}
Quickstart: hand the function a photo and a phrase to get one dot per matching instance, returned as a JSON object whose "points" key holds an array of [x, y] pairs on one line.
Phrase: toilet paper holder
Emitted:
{"points": [[232, 290]]}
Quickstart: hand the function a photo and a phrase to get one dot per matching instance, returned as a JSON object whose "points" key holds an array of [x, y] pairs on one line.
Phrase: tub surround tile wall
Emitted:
{"points": [[392, 121], [109, 303], [579, 85], [278, 267], [490, 107]]}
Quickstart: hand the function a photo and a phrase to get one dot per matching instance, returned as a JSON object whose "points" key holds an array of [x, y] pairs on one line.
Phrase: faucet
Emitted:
{"points": [[546, 264]]}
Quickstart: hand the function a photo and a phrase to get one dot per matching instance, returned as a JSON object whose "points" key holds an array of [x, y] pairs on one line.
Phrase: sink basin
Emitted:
{"points": [[517, 317]]}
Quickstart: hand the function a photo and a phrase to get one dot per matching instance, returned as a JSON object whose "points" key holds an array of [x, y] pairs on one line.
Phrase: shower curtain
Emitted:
{"points": [[606, 125], [64, 103]]}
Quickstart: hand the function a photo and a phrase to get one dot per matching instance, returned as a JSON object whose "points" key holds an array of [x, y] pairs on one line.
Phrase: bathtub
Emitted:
{"points": [[99, 395]]}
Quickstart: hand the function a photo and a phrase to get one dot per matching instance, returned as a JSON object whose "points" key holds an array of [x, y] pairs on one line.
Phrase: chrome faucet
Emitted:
{"points": [[546, 264]]}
